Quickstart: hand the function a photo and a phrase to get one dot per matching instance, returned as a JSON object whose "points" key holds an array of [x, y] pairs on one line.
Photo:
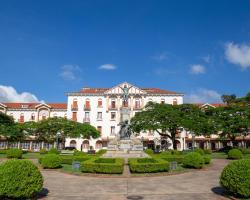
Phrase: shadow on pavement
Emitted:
{"points": [[43, 193], [222, 192]]}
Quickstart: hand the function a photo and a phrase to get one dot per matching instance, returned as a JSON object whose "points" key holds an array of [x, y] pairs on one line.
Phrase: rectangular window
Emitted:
{"points": [[113, 115], [21, 120], [99, 128], [99, 115], [113, 104], [112, 130], [74, 116]]}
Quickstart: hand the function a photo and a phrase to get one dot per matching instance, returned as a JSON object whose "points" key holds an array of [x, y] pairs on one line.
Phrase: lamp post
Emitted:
{"points": [[58, 135]]}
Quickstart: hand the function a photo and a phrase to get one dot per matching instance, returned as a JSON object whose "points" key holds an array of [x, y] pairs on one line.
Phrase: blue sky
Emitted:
{"points": [[200, 48]]}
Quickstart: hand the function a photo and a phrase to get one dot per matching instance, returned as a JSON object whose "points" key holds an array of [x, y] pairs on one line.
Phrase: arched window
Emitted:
{"points": [[43, 116], [85, 144], [72, 143], [87, 104], [175, 101], [162, 101], [98, 144], [137, 104], [113, 103]]}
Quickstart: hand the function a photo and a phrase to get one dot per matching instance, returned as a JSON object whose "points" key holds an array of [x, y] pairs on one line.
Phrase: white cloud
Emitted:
{"points": [[238, 54], [203, 95], [9, 94], [69, 72], [197, 69], [160, 57], [108, 67]]}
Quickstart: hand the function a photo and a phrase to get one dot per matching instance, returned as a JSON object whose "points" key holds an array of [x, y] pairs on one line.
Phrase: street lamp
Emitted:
{"points": [[58, 135]]}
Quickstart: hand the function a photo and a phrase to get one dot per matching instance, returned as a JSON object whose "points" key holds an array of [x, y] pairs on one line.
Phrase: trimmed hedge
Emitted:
{"points": [[51, 161], [235, 177], [14, 153], [171, 158], [200, 151], [148, 165], [149, 151], [53, 151], [193, 160], [103, 165], [43, 151], [19, 179], [245, 150], [207, 159], [3, 151], [79, 153], [101, 152], [235, 154], [207, 151], [69, 159]]}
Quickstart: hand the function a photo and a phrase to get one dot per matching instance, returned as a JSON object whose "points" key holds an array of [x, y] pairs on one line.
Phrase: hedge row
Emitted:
{"points": [[172, 158], [69, 159], [148, 165], [103, 165]]}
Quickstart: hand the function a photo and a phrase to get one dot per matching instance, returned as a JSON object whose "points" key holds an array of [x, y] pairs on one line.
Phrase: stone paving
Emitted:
{"points": [[197, 185]]}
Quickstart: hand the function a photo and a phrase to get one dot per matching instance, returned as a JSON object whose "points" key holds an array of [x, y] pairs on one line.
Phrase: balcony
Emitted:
{"points": [[86, 120], [74, 107], [87, 107]]}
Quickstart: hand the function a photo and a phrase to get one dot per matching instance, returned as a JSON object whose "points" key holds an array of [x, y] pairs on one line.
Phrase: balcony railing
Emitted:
{"points": [[86, 120], [74, 108], [87, 107]]}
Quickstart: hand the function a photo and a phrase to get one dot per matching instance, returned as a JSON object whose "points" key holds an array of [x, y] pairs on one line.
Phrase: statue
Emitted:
{"points": [[125, 90], [125, 131]]}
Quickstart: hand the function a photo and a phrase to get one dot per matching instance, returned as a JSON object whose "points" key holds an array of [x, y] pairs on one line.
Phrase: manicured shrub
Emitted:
{"points": [[207, 151], [171, 158], [200, 151], [3, 151], [68, 159], [235, 177], [207, 159], [148, 165], [19, 179], [235, 154], [245, 150], [101, 151], [79, 153], [43, 151], [193, 160], [53, 151], [149, 151], [14, 153], [103, 165], [176, 152], [51, 161]]}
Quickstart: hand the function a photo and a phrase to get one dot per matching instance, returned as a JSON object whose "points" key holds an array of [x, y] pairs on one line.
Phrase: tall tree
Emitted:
{"points": [[228, 99]]}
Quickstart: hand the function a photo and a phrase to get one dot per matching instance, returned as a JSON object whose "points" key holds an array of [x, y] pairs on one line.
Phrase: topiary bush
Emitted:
{"points": [[103, 165], [235, 177], [43, 151], [149, 151], [51, 161], [53, 151], [235, 154], [200, 151], [14, 153], [207, 159], [19, 179], [207, 151], [148, 165], [193, 160]]}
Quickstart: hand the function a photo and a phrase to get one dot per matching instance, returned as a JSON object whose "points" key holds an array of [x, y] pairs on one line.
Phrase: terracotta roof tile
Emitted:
{"points": [[33, 105]]}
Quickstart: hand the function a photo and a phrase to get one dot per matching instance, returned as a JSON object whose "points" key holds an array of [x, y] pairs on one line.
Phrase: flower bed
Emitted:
{"points": [[148, 165], [103, 165]]}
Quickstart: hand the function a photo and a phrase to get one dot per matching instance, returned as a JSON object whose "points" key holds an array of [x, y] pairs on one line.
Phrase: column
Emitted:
{"points": [[30, 145]]}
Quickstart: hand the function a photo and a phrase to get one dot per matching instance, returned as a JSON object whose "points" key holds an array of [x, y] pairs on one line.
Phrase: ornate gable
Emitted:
{"points": [[119, 89]]}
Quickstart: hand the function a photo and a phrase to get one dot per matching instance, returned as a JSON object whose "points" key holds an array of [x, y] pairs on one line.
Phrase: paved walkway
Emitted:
{"points": [[194, 185]]}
